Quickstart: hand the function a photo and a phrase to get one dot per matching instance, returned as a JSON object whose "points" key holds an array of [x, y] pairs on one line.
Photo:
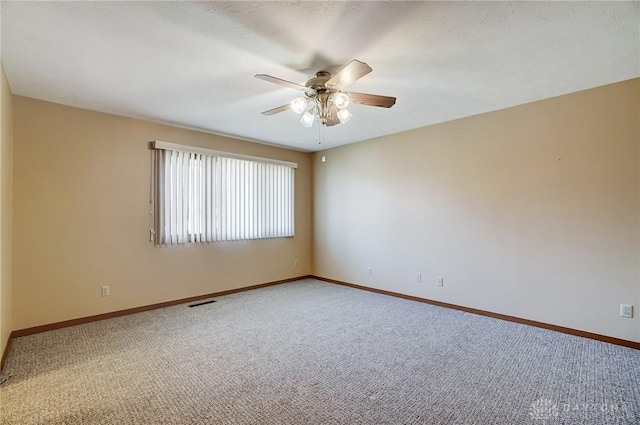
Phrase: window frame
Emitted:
{"points": [[253, 197]]}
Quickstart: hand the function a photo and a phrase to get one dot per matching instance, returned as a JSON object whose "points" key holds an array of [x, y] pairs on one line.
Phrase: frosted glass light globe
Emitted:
{"points": [[341, 100], [307, 119], [344, 116], [298, 105]]}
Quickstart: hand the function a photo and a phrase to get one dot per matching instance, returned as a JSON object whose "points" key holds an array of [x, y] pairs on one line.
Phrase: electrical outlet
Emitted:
{"points": [[295, 263], [626, 310], [369, 271], [418, 277], [105, 290], [441, 281]]}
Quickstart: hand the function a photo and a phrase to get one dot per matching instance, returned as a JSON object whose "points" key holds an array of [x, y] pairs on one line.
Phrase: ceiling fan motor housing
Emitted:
{"points": [[318, 82]]}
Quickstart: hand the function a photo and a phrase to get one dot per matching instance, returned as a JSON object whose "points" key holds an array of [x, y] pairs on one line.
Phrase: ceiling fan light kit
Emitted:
{"points": [[325, 94]]}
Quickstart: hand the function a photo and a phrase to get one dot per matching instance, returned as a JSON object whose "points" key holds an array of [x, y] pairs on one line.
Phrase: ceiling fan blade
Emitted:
{"points": [[351, 72], [372, 99], [332, 116], [278, 109], [280, 81]]}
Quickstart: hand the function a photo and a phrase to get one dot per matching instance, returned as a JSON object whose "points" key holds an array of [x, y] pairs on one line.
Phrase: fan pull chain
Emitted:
{"points": [[321, 136]]}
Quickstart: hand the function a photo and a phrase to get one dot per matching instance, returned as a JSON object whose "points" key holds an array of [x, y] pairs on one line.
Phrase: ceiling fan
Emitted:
{"points": [[324, 97]]}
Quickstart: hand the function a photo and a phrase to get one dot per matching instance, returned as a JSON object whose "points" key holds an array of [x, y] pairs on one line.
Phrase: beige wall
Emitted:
{"points": [[6, 159], [81, 202], [531, 211]]}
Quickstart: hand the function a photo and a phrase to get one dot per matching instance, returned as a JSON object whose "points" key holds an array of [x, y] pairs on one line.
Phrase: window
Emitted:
{"points": [[200, 195]]}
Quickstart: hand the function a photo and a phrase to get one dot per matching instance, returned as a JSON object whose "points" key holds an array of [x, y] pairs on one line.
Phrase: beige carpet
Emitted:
{"points": [[310, 352]]}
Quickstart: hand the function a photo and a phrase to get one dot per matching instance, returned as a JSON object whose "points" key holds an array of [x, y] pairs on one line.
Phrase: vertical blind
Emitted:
{"points": [[207, 197]]}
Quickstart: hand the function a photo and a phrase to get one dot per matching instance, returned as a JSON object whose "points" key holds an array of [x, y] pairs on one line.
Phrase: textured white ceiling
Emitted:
{"points": [[192, 63]]}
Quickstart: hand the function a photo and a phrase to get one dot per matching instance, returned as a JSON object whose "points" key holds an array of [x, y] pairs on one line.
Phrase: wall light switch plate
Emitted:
{"points": [[626, 310]]}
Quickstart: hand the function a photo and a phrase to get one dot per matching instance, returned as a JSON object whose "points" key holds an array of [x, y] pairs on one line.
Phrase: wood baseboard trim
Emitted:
{"points": [[562, 329], [6, 351], [89, 319]]}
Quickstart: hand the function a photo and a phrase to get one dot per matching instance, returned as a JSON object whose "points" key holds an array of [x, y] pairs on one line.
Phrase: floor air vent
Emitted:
{"points": [[202, 303]]}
